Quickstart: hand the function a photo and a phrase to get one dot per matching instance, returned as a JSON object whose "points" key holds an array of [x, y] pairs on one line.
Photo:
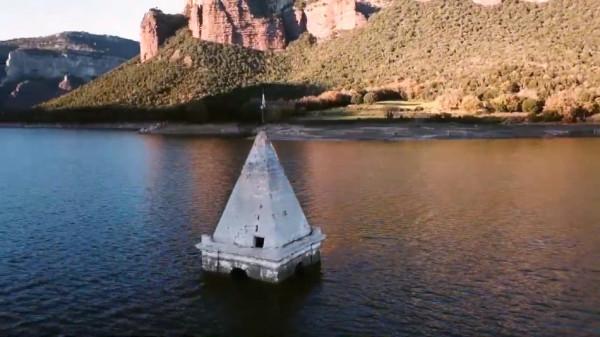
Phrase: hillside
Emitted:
{"points": [[79, 41], [170, 79], [427, 48], [458, 44], [34, 70]]}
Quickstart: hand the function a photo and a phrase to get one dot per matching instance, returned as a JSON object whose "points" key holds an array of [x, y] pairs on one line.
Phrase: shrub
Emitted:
{"points": [[334, 98], [571, 104], [450, 100], [471, 104], [488, 94], [591, 108], [410, 88], [550, 117], [326, 100], [390, 94], [507, 103], [512, 87], [532, 106], [371, 97], [357, 98]]}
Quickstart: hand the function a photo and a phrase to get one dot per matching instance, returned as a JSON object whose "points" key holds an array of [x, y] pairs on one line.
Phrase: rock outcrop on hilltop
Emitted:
{"points": [[38, 69], [156, 28], [294, 21], [326, 17], [262, 25], [256, 26]]}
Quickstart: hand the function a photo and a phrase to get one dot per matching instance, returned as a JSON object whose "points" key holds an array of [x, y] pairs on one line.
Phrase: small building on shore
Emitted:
{"points": [[263, 231]]}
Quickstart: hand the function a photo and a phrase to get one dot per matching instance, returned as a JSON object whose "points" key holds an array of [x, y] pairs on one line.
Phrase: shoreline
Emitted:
{"points": [[355, 130]]}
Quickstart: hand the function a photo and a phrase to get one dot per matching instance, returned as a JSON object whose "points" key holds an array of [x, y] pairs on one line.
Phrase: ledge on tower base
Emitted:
{"points": [[267, 265]]}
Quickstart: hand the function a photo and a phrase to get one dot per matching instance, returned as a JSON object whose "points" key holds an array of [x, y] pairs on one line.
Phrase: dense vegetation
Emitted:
{"points": [[459, 45], [486, 54]]}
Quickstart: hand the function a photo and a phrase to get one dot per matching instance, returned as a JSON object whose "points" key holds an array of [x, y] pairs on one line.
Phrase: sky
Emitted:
{"points": [[29, 18]]}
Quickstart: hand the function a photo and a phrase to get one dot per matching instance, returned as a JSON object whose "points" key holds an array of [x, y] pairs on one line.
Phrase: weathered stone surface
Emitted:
{"points": [[156, 28], [263, 230], [262, 203], [235, 22], [326, 17], [189, 4], [195, 17], [294, 21], [49, 64]]}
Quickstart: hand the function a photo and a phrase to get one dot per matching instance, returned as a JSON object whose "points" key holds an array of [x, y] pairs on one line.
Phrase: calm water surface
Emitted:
{"points": [[464, 238]]}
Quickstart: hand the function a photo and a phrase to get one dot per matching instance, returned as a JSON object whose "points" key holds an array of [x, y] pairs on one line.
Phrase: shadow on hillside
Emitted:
{"points": [[366, 8], [239, 105], [258, 8]]}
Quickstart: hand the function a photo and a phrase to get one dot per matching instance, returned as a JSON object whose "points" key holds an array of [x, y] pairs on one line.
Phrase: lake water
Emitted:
{"points": [[464, 238]]}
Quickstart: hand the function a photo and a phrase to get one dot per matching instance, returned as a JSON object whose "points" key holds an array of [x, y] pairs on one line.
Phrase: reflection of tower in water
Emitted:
{"points": [[252, 308]]}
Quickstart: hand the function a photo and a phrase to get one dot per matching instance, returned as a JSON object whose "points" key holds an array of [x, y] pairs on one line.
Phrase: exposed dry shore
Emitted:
{"points": [[389, 131], [95, 126], [352, 131]]}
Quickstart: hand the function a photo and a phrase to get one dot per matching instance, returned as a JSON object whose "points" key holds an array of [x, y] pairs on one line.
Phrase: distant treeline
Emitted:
{"points": [[240, 105]]}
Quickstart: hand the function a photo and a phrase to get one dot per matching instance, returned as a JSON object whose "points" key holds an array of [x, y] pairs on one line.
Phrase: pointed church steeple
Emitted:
{"points": [[263, 228]]}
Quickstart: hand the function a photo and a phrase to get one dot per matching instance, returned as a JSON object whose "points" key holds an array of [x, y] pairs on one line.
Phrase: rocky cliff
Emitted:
{"points": [[33, 68], [326, 17], [50, 64], [262, 25], [255, 25], [155, 29]]}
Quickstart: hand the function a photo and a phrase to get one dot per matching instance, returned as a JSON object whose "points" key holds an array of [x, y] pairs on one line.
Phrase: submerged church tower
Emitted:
{"points": [[263, 230]]}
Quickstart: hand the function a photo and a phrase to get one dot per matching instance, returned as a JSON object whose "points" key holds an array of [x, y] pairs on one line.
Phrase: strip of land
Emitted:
{"points": [[385, 131]]}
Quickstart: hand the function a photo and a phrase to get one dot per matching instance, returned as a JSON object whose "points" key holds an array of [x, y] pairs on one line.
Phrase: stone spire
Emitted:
{"points": [[263, 232], [263, 204]]}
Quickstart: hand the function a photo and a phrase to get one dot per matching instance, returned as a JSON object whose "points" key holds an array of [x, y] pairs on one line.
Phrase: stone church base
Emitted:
{"points": [[261, 266]]}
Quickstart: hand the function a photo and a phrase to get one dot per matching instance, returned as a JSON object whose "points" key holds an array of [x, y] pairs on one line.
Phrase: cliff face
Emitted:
{"points": [[47, 64], [236, 22], [326, 17], [32, 68], [262, 25], [155, 29]]}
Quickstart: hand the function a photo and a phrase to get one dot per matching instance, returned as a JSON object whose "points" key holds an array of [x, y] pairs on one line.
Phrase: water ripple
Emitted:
{"points": [[454, 238]]}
